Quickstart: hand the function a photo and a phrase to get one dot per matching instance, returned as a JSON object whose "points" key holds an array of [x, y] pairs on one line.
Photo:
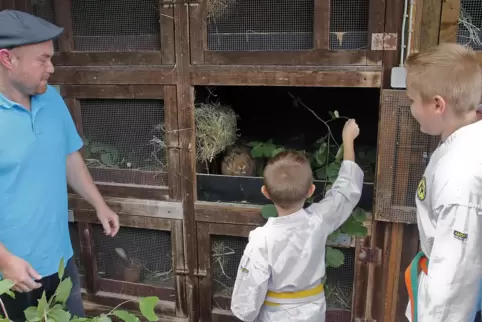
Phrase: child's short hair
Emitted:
{"points": [[449, 70], [288, 178]]}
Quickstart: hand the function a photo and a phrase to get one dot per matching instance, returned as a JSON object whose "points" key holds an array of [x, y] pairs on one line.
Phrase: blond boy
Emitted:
{"points": [[444, 85], [280, 274]]}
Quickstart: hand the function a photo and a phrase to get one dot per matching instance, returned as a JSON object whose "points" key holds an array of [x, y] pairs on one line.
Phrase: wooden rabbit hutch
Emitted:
{"points": [[150, 84]]}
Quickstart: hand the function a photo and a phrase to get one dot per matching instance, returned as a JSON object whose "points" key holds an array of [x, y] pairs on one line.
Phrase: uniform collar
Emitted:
{"points": [[289, 219], [35, 103], [6, 103]]}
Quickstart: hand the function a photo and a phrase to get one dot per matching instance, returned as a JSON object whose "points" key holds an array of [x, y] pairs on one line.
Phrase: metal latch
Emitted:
{"points": [[370, 255]]}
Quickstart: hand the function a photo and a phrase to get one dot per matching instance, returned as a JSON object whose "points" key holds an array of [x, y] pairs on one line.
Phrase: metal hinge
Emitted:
{"points": [[370, 255], [384, 41]]}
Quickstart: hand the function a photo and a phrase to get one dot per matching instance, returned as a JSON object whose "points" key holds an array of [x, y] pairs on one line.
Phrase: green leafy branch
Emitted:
{"points": [[54, 310], [325, 161]]}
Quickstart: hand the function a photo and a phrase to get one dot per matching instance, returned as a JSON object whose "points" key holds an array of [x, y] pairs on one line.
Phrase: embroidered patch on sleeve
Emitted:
{"points": [[460, 236], [422, 189]]}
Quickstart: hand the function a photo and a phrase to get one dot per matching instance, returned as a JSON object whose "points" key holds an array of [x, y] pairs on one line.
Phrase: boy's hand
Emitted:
{"points": [[350, 130]]}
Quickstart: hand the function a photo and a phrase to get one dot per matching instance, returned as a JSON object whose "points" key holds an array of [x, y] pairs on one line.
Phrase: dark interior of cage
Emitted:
{"points": [[226, 255], [470, 24], [124, 140], [110, 25], [281, 25], [135, 255], [238, 128]]}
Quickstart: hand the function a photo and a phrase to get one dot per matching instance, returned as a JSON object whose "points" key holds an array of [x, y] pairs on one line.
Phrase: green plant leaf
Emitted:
{"points": [[320, 173], [268, 211], [42, 305], [61, 268], [277, 151], [63, 290], [334, 257], [334, 235], [353, 228], [31, 314], [4, 320], [332, 171], [359, 214], [58, 314], [321, 154], [106, 158], [339, 154], [126, 316], [258, 151], [102, 318], [10, 293], [77, 319], [5, 286], [146, 305]]}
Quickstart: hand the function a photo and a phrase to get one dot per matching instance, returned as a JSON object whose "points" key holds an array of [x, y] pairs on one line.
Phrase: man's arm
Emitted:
{"points": [[455, 267], [251, 283]]}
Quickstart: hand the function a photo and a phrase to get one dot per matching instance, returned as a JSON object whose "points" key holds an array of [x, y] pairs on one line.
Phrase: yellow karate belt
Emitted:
{"points": [[292, 295]]}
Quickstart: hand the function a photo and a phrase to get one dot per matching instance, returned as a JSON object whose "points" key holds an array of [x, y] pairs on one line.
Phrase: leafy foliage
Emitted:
{"points": [[325, 161], [54, 309]]}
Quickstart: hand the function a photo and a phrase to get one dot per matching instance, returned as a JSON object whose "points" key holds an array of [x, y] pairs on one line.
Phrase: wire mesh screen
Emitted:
{"points": [[262, 25], [403, 154], [135, 255], [349, 24], [339, 282], [470, 24], [226, 254], [116, 25], [124, 141], [45, 10], [74, 237]]}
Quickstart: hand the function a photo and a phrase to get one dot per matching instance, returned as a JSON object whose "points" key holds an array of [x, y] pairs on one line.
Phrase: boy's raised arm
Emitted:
{"points": [[339, 202]]}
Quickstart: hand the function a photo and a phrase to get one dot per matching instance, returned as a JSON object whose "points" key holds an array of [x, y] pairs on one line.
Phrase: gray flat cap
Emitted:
{"points": [[19, 28]]}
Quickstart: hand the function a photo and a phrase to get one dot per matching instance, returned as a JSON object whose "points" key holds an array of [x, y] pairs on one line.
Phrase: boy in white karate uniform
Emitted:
{"points": [[444, 85], [280, 274]]}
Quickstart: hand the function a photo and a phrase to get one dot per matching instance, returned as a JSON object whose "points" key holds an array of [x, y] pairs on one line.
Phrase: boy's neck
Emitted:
{"points": [[458, 123], [286, 212]]}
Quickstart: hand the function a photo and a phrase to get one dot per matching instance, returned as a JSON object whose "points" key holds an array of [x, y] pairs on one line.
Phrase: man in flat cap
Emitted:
{"points": [[39, 155]]}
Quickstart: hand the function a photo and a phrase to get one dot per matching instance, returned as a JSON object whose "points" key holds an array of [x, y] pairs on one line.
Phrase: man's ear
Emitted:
{"points": [[264, 191], [311, 191], [6, 59]]}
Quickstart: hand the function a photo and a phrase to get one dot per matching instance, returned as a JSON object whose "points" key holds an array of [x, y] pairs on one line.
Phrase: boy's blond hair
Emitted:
{"points": [[288, 178], [450, 71]]}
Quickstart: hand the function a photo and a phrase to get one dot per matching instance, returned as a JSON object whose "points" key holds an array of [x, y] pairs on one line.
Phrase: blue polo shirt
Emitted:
{"points": [[33, 184]]}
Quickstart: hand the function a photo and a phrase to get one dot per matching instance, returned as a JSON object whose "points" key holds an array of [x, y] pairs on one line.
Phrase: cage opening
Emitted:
{"points": [[124, 141], [276, 118], [469, 31], [116, 26], [135, 255], [226, 253]]}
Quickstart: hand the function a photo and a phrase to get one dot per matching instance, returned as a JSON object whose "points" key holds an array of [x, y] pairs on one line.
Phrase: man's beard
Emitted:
{"points": [[42, 88]]}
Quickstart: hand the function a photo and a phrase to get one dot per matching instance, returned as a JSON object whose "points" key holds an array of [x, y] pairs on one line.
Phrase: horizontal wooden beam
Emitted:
{"points": [[130, 75], [287, 76], [106, 58], [133, 207], [125, 91]]}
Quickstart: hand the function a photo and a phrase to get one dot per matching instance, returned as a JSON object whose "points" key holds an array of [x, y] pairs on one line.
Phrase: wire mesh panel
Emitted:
{"points": [[263, 25], [226, 255], [339, 282], [403, 154], [116, 25], [45, 10], [124, 141], [135, 255], [74, 237], [349, 24], [470, 24]]}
